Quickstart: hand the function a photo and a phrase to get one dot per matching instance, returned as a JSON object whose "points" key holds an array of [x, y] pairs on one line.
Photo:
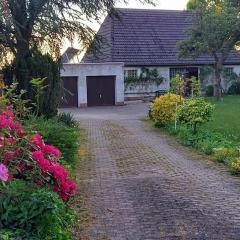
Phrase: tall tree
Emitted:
{"points": [[215, 32], [44, 24], [192, 4]]}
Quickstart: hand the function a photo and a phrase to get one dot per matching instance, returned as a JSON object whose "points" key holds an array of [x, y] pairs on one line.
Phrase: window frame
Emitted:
{"points": [[131, 73]]}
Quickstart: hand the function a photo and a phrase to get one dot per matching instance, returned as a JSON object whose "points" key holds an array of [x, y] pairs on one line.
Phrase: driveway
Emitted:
{"points": [[145, 186]]}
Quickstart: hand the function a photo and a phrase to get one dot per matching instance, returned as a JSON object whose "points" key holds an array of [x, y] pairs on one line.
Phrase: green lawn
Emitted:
{"points": [[226, 117]]}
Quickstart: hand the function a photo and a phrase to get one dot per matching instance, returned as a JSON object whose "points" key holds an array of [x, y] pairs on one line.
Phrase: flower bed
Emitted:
{"points": [[27, 162]]}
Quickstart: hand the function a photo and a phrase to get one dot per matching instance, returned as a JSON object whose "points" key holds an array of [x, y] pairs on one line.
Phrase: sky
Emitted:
{"points": [[161, 4]]}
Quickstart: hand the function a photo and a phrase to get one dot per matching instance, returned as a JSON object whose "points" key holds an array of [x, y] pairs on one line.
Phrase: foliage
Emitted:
{"points": [[38, 85], [65, 138], [30, 213], [43, 85], [68, 119], [209, 91], [195, 112], [235, 165], [205, 72], [20, 106], [226, 154], [147, 76], [177, 85], [215, 33], [47, 23], [163, 109], [234, 89], [219, 137], [192, 4], [234, 79], [195, 87], [28, 157], [184, 86]]}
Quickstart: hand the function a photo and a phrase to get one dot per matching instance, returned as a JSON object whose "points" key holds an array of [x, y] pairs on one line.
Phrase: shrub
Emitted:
{"points": [[29, 213], [194, 112], [163, 109], [68, 119], [234, 89], [205, 141], [56, 133], [226, 154], [38, 66], [209, 91], [177, 85], [27, 157], [186, 137], [235, 165]]}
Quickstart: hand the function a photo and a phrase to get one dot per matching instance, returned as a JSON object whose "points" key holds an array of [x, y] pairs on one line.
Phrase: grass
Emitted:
{"points": [[220, 137], [226, 118]]}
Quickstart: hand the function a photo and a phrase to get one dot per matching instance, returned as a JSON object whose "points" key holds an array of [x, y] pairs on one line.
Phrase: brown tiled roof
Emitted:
{"points": [[147, 37]]}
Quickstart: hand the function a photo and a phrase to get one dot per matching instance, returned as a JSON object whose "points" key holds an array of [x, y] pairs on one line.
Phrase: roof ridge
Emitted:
{"points": [[151, 9]]}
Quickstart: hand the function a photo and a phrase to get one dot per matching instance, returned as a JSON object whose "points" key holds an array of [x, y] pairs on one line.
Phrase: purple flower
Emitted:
{"points": [[3, 173]]}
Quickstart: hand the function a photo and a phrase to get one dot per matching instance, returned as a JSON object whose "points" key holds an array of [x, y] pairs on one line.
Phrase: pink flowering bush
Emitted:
{"points": [[28, 158], [3, 173]]}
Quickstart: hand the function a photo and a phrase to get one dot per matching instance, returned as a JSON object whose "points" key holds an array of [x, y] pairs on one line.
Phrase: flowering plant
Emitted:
{"points": [[29, 158], [3, 173]]}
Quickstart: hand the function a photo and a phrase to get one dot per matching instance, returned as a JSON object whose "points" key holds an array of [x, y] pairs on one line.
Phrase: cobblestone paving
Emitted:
{"points": [[145, 186]]}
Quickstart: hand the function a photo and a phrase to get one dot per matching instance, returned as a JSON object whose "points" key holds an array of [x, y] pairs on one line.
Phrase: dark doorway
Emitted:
{"points": [[70, 95], [101, 90], [192, 72]]}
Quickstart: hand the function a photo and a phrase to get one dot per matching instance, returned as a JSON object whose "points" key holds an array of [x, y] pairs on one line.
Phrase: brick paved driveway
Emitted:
{"points": [[145, 186]]}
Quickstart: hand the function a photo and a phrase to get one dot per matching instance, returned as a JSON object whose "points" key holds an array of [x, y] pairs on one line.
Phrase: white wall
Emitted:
{"points": [[106, 69], [133, 91]]}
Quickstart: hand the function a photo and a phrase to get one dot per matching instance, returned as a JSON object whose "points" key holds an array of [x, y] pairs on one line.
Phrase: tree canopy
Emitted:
{"points": [[215, 32], [192, 4], [44, 24]]}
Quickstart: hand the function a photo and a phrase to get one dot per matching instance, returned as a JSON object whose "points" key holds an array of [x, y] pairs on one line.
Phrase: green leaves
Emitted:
{"points": [[27, 213], [215, 32], [195, 112], [146, 77]]}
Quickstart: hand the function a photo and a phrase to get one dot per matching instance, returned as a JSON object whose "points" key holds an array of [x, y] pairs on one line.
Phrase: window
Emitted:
{"points": [[186, 72], [131, 73], [228, 71], [175, 71]]}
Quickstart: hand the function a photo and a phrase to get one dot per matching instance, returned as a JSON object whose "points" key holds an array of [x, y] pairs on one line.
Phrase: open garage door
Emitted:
{"points": [[70, 96], [101, 90]]}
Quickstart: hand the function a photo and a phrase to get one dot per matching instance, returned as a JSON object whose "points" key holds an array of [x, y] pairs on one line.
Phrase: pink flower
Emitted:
{"points": [[10, 155], [38, 155], [4, 174], [59, 172], [48, 149], [9, 113], [43, 163], [37, 140]]}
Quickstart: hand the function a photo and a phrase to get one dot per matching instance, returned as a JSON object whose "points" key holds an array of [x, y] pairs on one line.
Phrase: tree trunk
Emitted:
{"points": [[22, 65], [217, 82]]}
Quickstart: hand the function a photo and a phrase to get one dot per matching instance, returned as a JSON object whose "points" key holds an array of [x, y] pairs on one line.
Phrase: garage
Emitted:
{"points": [[70, 94], [101, 90], [98, 84]]}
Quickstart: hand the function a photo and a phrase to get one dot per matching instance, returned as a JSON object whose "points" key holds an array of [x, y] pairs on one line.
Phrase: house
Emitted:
{"points": [[139, 46], [71, 55]]}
